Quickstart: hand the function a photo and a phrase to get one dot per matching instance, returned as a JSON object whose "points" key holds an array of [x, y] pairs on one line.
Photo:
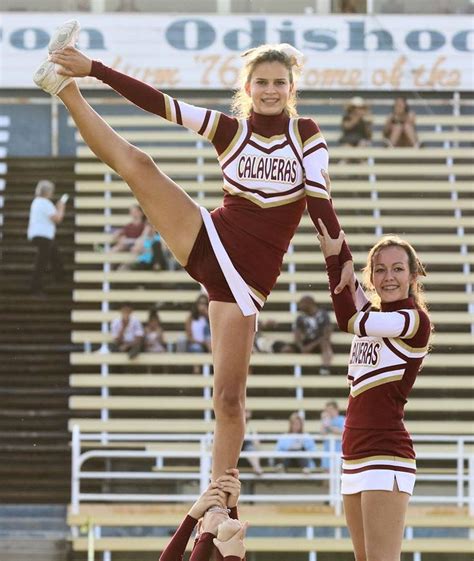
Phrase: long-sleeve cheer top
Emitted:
{"points": [[271, 169], [203, 546], [386, 355]]}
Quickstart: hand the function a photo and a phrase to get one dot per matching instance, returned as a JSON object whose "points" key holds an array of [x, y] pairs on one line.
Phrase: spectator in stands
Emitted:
{"points": [[356, 124], [127, 6], [391, 339], [332, 422], [125, 238], [154, 341], [262, 343], [44, 216], [210, 513], [83, 6], [237, 252], [392, 7], [198, 332], [296, 441], [148, 251], [400, 127], [312, 332], [127, 332], [251, 444], [348, 7]]}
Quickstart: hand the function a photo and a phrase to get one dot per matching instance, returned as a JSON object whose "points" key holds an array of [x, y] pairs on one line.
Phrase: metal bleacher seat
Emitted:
{"points": [[424, 194]]}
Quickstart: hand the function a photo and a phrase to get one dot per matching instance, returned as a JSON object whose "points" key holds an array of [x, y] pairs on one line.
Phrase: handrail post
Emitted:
{"points": [[204, 464], [75, 480], [460, 471], [90, 540], [470, 485]]}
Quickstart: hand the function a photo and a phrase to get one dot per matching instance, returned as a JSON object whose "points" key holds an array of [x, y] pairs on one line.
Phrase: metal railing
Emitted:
{"points": [[460, 476]]}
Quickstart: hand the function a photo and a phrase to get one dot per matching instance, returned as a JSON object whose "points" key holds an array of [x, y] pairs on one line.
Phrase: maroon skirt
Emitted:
{"points": [[203, 267]]}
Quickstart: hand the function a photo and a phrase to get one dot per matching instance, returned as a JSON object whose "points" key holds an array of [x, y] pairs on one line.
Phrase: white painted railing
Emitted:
{"points": [[461, 474]]}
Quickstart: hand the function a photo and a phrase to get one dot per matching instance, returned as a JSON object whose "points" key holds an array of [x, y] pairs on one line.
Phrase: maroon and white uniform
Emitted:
{"points": [[271, 167], [203, 546], [386, 355]]}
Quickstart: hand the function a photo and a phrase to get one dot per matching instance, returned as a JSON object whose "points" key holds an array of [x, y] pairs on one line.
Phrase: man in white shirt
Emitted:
{"points": [[127, 332], [44, 216]]}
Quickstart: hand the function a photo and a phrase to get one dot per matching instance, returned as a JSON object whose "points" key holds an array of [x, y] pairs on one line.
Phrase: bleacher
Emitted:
{"points": [[424, 194]]}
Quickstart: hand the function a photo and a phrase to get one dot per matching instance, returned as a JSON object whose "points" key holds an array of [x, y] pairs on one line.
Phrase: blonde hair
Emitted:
{"points": [[416, 290], [285, 54]]}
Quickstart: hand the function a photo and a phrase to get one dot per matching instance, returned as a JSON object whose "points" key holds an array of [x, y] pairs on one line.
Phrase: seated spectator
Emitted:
{"points": [[154, 341], [198, 331], [148, 251], [261, 343], [296, 441], [332, 422], [127, 6], [356, 124], [348, 7], [124, 238], [312, 332], [251, 444], [127, 332], [400, 127]]}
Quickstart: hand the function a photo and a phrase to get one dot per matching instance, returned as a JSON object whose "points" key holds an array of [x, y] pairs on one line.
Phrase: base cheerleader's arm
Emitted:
{"points": [[317, 182], [213, 495]]}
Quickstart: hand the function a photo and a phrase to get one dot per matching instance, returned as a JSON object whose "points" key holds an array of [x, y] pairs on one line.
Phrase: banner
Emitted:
{"points": [[343, 52]]}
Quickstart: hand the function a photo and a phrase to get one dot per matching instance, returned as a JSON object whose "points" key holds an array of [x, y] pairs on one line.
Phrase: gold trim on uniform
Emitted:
{"points": [[251, 198], [232, 143], [318, 195], [376, 383], [312, 139], [270, 139], [350, 324], [211, 134], [257, 294], [416, 321], [296, 132], [168, 108], [359, 461], [402, 343]]}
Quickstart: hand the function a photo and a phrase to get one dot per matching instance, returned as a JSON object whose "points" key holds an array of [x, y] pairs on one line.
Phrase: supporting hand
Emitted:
{"points": [[230, 484], [329, 246], [72, 62], [212, 496], [347, 279], [212, 519], [235, 546]]}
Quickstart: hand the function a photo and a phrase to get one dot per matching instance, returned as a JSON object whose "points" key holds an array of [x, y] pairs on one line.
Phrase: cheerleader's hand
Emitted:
{"points": [[235, 546], [72, 62], [212, 496], [348, 279], [230, 484], [329, 246]]}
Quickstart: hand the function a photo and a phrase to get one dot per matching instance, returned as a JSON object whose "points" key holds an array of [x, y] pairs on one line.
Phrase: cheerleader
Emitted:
{"points": [[271, 163]]}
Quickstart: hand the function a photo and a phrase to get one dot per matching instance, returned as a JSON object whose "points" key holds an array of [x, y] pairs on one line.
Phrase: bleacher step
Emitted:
{"points": [[22, 549]]}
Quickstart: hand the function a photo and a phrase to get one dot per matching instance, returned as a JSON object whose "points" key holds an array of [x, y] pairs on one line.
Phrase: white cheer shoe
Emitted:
{"points": [[47, 78], [65, 36]]}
